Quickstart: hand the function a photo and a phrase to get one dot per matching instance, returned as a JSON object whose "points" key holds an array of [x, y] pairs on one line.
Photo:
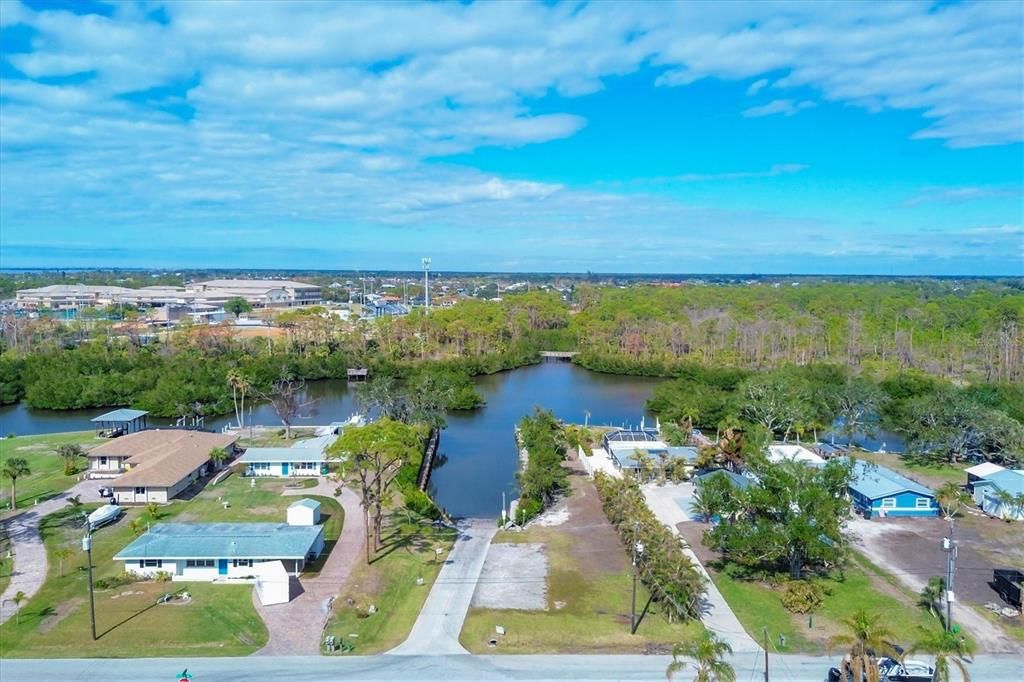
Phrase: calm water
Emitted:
{"points": [[478, 456]]}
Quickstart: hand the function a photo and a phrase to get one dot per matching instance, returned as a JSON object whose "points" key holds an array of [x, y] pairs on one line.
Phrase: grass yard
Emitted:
{"points": [[389, 584], [272, 437], [862, 585], [585, 613], [6, 565], [47, 478], [220, 620], [932, 475], [247, 499]]}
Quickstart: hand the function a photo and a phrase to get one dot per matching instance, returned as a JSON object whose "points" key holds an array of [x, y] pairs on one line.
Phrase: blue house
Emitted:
{"points": [[880, 492]]}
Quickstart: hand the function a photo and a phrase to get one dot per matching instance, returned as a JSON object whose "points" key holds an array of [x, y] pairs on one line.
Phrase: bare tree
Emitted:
{"points": [[288, 398]]}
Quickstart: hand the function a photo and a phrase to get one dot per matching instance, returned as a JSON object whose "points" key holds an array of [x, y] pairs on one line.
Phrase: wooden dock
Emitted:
{"points": [[558, 354]]}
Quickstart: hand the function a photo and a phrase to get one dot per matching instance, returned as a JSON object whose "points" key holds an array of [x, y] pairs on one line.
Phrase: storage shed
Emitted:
{"points": [[305, 512]]}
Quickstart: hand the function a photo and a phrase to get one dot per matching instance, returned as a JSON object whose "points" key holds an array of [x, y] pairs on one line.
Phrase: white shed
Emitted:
{"points": [[305, 512], [273, 585]]}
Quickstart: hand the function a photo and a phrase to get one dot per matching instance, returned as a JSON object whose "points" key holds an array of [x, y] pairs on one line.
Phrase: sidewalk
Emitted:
{"points": [[436, 630], [716, 613]]}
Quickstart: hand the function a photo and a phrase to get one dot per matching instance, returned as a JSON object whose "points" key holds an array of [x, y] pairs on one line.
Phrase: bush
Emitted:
{"points": [[420, 503], [123, 578], [527, 509], [162, 576], [801, 596]]}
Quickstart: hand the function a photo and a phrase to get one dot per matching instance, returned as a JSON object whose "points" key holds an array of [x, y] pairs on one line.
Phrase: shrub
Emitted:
{"points": [[162, 576], [527, 509], [420, 503], [122, 578], [801, 596]]}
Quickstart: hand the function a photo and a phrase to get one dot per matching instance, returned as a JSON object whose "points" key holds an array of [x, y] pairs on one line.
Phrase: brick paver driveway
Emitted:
{"points": [[296, 627]]}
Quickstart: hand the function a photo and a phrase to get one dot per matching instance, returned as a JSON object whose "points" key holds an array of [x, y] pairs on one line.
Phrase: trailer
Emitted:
{"points": [[1008, 583]]}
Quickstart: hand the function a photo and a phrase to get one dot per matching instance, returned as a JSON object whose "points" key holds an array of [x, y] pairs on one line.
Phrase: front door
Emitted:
{"points": [[222, 566], [284, 468]]}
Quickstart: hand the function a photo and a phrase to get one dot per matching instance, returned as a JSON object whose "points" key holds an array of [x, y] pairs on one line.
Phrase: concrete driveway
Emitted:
{"points": [[295, 628], [29, 552], [436, 630], [716, 613]]}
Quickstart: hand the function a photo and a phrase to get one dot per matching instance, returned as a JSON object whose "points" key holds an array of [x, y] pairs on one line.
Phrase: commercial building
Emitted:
{"points": [[260, 293], [155, 465], [221, 551]]}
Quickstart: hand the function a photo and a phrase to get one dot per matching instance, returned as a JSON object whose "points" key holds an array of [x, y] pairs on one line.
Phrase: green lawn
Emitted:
{"points": [[586, 613], [235, 499], [861, 585], [6, 565], [273, 437], [220, 620], [47, 477], [390, 585]]}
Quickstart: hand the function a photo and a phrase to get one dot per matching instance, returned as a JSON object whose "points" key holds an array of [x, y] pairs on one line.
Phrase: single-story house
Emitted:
{"points": [[305, 458], [155, 465], [623, 445], [988, 493], [737, 480], [979, 472], [221, 551], [879, 492], [305, 512], [793, 453]]}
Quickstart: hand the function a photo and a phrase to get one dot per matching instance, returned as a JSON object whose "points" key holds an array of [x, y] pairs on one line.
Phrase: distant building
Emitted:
{"points": [[879, 492], [261, 293]]}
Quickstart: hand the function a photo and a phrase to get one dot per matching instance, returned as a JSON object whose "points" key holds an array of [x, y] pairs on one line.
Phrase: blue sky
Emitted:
{"points": [[765, 137]]}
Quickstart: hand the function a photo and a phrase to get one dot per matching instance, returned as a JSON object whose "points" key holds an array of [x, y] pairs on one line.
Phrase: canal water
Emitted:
{"points": [[477, 457]]}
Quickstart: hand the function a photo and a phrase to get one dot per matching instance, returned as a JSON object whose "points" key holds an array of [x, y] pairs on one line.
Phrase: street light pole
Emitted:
{"points": [[87, 546]]}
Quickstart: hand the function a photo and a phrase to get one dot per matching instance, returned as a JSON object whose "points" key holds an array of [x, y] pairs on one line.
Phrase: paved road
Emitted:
{"points": [[715, 611], [436, 630], [296, 627], [989, 668], [29, 552]]}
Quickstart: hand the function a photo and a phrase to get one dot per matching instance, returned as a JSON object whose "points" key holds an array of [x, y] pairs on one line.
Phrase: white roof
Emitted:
{"points": [[984, 469], [795, 453]]}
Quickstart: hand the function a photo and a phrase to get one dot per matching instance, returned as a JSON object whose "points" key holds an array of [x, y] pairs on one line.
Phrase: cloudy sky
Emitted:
{"points": [[767, 137]]}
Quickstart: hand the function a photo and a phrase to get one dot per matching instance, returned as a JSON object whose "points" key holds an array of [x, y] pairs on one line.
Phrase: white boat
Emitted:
{"points": [[104, 515]]}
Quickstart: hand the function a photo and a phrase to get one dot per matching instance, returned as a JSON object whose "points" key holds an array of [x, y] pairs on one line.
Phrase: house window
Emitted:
{"points": [[152, 563], [889, 503], [140, 491], [103, 461], [243, 563], [199, 563], [261, 466], [923, 503]]}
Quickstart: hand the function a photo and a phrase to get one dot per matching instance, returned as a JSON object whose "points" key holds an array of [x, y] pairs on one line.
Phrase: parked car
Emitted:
{"points": [[892, 671], [106, 492]]}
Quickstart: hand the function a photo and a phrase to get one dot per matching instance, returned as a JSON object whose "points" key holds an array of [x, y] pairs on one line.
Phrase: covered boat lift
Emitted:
{"points": [[120, 422]]}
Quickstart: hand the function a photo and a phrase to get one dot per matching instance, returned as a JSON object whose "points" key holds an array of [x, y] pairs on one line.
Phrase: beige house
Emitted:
{"points": [[155, 465]]}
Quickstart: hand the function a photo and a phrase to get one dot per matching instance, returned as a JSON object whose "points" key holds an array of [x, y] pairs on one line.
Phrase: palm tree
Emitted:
{"points": [[947, 647], [69, 454], [240, 385], [14, 468], [867, 639], [951, 498], [932, 595], [18, 598], [218, 456], [708, 651], [153, 510], [706, 502], [62, 555], [137, 526]]}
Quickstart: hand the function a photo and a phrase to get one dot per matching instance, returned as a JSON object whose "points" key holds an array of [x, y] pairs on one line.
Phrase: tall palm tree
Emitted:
{"points": [[708, 652], [947, 648], [867, 638], [15, 468]]}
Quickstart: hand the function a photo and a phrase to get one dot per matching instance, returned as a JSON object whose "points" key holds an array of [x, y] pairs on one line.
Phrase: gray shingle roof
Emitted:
{"points": [[223, 541]]}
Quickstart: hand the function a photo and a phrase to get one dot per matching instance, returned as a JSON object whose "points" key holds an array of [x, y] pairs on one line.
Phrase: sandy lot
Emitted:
{"points": [[515, 576]]}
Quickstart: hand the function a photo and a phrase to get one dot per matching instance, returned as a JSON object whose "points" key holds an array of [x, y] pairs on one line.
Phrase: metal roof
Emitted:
{"points": [[319, 443], [984, 470], [305, 502], [874, 481], [281, 455], [122, 415], [1009, 480], [223, 541]]}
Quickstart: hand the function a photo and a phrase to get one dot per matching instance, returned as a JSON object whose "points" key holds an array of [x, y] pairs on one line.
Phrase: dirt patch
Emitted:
{"points": [[596, 549], [514, 576], [63, 610], [264, 511]]}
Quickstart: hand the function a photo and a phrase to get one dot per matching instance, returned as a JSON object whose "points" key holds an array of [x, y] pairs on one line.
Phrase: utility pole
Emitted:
{"points": [[87, 546], [949, 545], [426, 283], [766, 655], [638, 550]]}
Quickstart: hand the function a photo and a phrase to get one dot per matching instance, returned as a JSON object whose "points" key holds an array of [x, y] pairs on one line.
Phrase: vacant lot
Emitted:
{"points": [[514, 576], [588, 592], [47, 478]]}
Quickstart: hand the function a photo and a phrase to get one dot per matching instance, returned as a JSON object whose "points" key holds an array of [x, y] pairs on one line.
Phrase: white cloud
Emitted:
{"points": [[786, 107], [958, 195], [757, 86]]}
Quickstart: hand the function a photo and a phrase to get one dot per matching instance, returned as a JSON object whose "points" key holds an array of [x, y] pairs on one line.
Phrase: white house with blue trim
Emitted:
{"points": [[305, 458], [221, 551], [879, 492], [991, 488]]}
